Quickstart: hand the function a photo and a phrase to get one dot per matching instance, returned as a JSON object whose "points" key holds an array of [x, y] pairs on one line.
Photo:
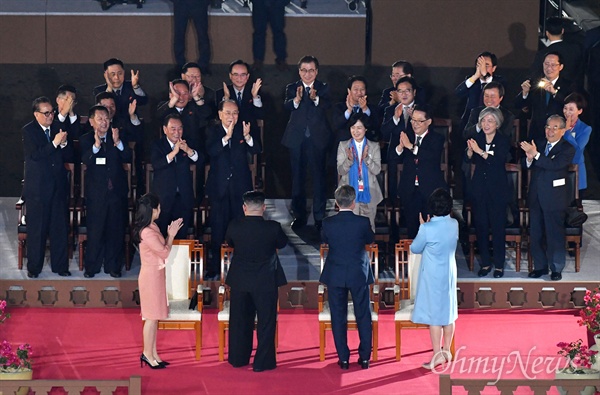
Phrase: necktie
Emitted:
{"points": [[47, 132], [548, 148], [355, 109], [239, 98], [418, 143], [547, 97], [118, 92], [307, 90]]}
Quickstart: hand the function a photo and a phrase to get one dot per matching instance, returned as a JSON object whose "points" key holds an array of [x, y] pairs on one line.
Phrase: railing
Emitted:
{"points": [[509, 386], [75, 387]]}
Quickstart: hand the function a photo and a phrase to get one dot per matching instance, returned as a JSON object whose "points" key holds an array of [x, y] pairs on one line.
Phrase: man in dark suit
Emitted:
{"points": [[356, 102], [66, 98], [348, 268], [171, 160], [271, 12], [228, 146], [197, 11], [106, 190], [471, 88], [493, 93], [544, 97], [200, 93], [549, 160], [254, 275], [420, 152], [397, 120], [571, 52], [130, 128], [46, 149], [307, 135], [400, 69]]}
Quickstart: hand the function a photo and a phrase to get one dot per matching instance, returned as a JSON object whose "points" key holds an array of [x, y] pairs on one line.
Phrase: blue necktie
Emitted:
{"points": [[239, 99], [548, 148], [47, 132], [547, 97], [355, 109]]}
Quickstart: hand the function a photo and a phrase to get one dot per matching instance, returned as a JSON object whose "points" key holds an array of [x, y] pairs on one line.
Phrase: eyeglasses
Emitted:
{"points": [[46, 113], [404, 92], [308, 71], [555, 127], [419, 121], [243, 75], [551, 65]]}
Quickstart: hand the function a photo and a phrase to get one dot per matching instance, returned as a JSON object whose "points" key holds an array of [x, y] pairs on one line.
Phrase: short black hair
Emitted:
{"points": [[112, 62], [66, 88], [222, 103], [35, 106], [356, 117], [554, 25], [497, 85], [439, 203], [171, 116], [424, 109], [345, 195], [406, 66], [254, 198], [410, 80], [308, 59], [105, 95], [355, 78], [95, 109], [487, 54], [190, 65], [578, 99], [180, 81], [239, 62], [555, 53]]}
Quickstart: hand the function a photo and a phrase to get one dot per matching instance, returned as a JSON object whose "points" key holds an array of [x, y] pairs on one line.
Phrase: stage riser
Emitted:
{"points": [[295, 295]]}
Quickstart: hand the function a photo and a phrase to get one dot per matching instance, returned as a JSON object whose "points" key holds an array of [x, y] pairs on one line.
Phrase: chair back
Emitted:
{"points": [[372, 251], [226, 255], [514, 178], [178, 269], [401, 267], [573, 185]]}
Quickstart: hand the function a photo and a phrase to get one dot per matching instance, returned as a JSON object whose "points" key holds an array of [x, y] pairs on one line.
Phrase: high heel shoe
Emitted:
{"points": [[164, 363], [143, 360], [435, 361], [447, 355]]}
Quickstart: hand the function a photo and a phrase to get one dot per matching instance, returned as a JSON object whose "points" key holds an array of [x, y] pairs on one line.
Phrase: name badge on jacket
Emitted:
{"points": [[100, 161], [559, 182]]}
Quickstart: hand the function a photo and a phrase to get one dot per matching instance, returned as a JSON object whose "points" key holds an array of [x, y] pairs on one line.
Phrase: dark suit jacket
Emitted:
{"points": [[425, 165], [248, 111], [44, 165], [122, 101], [540, 111], [347, 263], [474, 94], [307, 115], [97, 175], [489, 179], [255, 265], [572, 55], [229, 163], [342, 130], [384, 101], [390, 132], [73, 129], [506, 129], [548, 170], [174, 176], [195, 120]]}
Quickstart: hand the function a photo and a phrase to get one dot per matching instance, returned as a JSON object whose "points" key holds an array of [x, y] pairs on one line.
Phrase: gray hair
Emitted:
{"points": [[344, 196], [494, 112], [562, 124]]}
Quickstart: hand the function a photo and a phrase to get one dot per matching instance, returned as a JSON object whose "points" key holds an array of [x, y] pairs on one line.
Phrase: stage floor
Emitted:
{"points": [[300, 259]]}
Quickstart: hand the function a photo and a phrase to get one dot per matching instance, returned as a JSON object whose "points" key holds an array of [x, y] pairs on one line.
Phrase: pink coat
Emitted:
{"points": [[151, 281]]}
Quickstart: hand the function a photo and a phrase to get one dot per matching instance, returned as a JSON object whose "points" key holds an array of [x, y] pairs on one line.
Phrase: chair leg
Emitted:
{"points": [[471, 255], [577, 256], [81, 254], [221, 342], [21, 248], [375, 339], [321, 341], [518, 257], [127, 256], [198, 329], [397, 329]]}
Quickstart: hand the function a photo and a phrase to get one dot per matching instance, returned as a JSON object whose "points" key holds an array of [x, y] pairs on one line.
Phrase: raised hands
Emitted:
{"points": [[256, 87], [225, 91], [135, 78], [405, 141], [299, 93], [173, 96], [421, 220], [362, 102], [365, 150], [59, 138], [526, 87], [246, 131], [313, 94], [530, 149], [473, 147], [115, 136], [174, 227], [131, 109]]}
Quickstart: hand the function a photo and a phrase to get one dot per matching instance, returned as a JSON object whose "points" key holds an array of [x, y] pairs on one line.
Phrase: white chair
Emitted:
{"points": [[407, 271], [325, 312], [184, 272]]}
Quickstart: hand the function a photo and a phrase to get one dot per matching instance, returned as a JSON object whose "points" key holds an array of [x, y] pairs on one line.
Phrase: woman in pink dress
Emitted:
{"points": [[154, 250]]}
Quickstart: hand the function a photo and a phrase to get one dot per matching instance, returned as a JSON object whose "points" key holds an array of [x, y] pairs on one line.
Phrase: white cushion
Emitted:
{"points": [[325, 315], [179, 311], [223, 315], [405, 312]]}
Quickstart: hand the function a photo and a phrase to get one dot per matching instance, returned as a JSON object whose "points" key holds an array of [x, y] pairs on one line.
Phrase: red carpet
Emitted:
{"points": [[106, 344]]}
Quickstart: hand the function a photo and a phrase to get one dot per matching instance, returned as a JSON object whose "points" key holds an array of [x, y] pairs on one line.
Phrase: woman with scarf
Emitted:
{"points": [[358, 164]]}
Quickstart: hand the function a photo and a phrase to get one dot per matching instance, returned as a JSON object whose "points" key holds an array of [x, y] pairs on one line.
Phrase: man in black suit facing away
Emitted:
{"points": [[348, 268], [546, 96], [106, 190], [171, 160], [548, 197], [228, 145], [197, 11], [254, 275], [307, 135], [420, 151], [46, 149]]}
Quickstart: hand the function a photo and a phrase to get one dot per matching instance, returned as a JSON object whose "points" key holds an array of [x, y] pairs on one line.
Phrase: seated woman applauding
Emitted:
{"points": [[489, 151], [358, 163]]}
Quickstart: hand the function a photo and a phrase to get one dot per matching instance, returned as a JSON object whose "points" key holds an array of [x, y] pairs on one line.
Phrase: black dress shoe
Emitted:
{"points": [[498, 273], [556, 276], [303, 4], [115, 274], [88, 275], [364, 364], [32, 275], [345, 365], [484, 271], [66, 273], [258, 370], [298, 223], [538, 273]]}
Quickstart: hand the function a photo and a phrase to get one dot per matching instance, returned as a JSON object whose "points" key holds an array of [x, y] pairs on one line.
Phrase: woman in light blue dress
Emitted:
{"points": [[435, 302]]}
